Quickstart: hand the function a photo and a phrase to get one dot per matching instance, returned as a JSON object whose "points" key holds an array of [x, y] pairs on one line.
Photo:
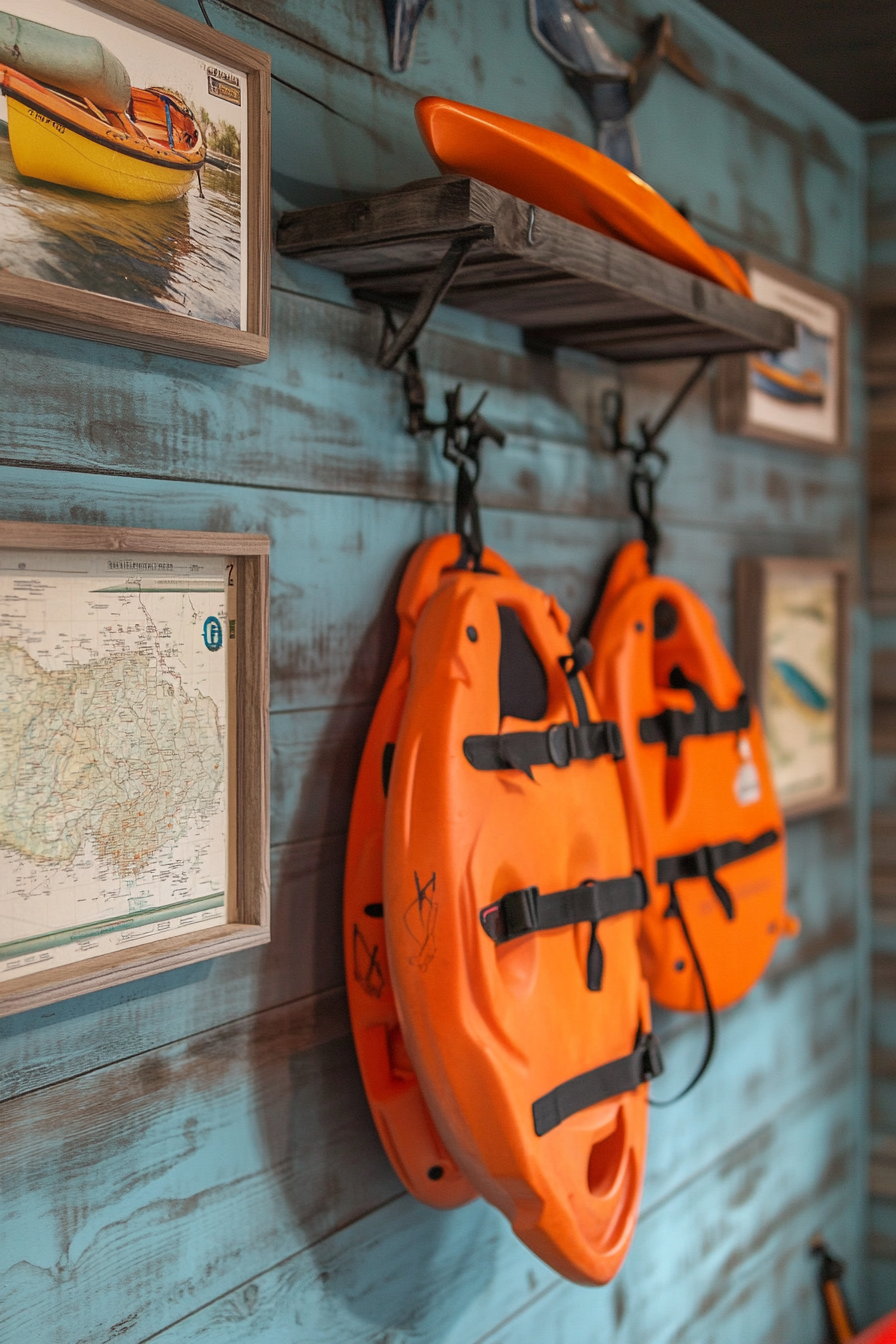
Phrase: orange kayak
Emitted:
{"points": [[572, 180]]}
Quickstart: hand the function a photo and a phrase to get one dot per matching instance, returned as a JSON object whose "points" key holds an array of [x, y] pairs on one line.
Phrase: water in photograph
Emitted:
{"points": [[183, 256]]}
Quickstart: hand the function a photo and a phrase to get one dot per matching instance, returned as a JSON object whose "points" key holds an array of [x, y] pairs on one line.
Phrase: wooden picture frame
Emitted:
{"points": [[231, 320], [751, 393], [128, 668], [792, 648]]}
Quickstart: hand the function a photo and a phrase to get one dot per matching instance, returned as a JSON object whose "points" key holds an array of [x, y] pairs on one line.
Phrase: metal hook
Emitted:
{"points": [[649, 461]]}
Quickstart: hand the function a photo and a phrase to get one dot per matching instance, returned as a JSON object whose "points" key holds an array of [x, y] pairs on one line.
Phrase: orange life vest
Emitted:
{"points": [[400, 1113], [512, 914], [705, 824]]}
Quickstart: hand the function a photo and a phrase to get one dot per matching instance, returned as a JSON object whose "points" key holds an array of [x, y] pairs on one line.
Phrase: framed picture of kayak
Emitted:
{"points": [[135, 839], [798, 396], [793, 653], [134, 179]]}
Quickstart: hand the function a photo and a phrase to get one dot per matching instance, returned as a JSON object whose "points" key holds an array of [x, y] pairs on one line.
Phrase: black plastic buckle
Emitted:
{"points": [[614, 740], [520, 911], [653, 1058], [561, 744]]}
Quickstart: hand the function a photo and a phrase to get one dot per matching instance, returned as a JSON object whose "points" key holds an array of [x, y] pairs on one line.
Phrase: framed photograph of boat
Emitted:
{"points": [[792, 642], [134, 178], [799, 396]]}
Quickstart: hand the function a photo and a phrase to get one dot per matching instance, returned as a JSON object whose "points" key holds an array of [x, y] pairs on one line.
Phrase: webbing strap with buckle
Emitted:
{"points": [[527, 911], [600, 1084], [559, 745], [705, 720], [703, 862]]}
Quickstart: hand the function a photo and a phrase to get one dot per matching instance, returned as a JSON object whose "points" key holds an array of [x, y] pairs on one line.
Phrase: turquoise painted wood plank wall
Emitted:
{"points": [[190, 1157], [882, 425]]}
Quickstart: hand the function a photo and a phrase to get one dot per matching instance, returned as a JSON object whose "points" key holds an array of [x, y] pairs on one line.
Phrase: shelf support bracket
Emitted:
{"points": [[396, 340]]}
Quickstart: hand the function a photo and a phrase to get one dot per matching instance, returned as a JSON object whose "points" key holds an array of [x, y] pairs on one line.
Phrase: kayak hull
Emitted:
{"points": [[46, 149], [151, 153]]}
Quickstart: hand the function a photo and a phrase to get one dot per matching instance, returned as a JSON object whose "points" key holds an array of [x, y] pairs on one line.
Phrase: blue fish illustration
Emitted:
{"points": [[805, 690], [402, 17]]}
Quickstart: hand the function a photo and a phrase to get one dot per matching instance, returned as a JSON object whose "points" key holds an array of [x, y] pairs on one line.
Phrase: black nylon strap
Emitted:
{"points": [[608, 1080], [705, 720], [560, 744], [526, 911], [675, 911], [703, 862], [572, 664]]}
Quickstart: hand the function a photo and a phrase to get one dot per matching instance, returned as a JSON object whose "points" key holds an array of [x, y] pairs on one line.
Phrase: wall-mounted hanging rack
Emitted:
{"points": [[458, 241]]}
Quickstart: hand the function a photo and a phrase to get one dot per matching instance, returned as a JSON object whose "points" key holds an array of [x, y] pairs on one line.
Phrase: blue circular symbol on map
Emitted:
{"points": [[213, 634]]}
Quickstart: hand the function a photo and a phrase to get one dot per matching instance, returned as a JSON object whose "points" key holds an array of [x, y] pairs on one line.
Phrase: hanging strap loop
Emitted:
{"points": [[572, 664], [675, 911], [600, 1084], [561, 744], [672, 726]]}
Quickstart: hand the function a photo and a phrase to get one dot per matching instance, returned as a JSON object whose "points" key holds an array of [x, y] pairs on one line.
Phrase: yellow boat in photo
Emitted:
{"points": [[150, 152]]}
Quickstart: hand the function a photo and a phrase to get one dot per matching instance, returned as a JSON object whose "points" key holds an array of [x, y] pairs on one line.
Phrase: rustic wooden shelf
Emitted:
{"points": [[456, 240]]}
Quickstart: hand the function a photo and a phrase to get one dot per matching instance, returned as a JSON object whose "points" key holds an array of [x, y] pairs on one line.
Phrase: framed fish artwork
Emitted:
{"points": [[793, 653], [799, 396], [134, 178]]}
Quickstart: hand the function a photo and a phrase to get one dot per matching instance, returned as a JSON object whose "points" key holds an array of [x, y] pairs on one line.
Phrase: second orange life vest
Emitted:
{"points": [[705, 824]]}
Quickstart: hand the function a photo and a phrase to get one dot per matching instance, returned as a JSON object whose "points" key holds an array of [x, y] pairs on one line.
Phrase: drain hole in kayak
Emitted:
{"points": [[607, 1156]]}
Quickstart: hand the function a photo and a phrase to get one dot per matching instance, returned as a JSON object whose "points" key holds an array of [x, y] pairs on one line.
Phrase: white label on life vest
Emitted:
{"points": [[747, 788]]}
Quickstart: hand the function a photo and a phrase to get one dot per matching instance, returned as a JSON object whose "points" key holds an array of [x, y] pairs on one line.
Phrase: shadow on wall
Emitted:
{"points": [[393, 1258]]}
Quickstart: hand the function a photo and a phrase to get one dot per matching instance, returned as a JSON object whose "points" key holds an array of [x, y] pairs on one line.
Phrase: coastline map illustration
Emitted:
{"points": [[113, 752]]}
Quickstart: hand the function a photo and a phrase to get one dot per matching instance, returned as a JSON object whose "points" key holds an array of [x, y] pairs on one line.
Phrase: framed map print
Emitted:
{"points": [[797, 396], [793, 653], [133, 754], [134, 178]]}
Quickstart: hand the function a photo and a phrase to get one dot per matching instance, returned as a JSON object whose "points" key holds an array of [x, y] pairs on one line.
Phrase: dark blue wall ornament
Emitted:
{"points": [[402, 17], [609, 86]]}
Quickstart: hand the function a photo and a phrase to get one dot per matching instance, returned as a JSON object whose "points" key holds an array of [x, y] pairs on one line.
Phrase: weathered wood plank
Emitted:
{"points": [[394, 234], [795, 171], [256, 1127], [764, 1194], [181, 1169], [336, 562], [293, 427], [883, 837], [304, 958], [766, 1294]]}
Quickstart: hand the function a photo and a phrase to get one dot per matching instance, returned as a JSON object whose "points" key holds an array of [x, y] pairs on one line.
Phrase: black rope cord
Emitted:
{"points": [[675, 911]]}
